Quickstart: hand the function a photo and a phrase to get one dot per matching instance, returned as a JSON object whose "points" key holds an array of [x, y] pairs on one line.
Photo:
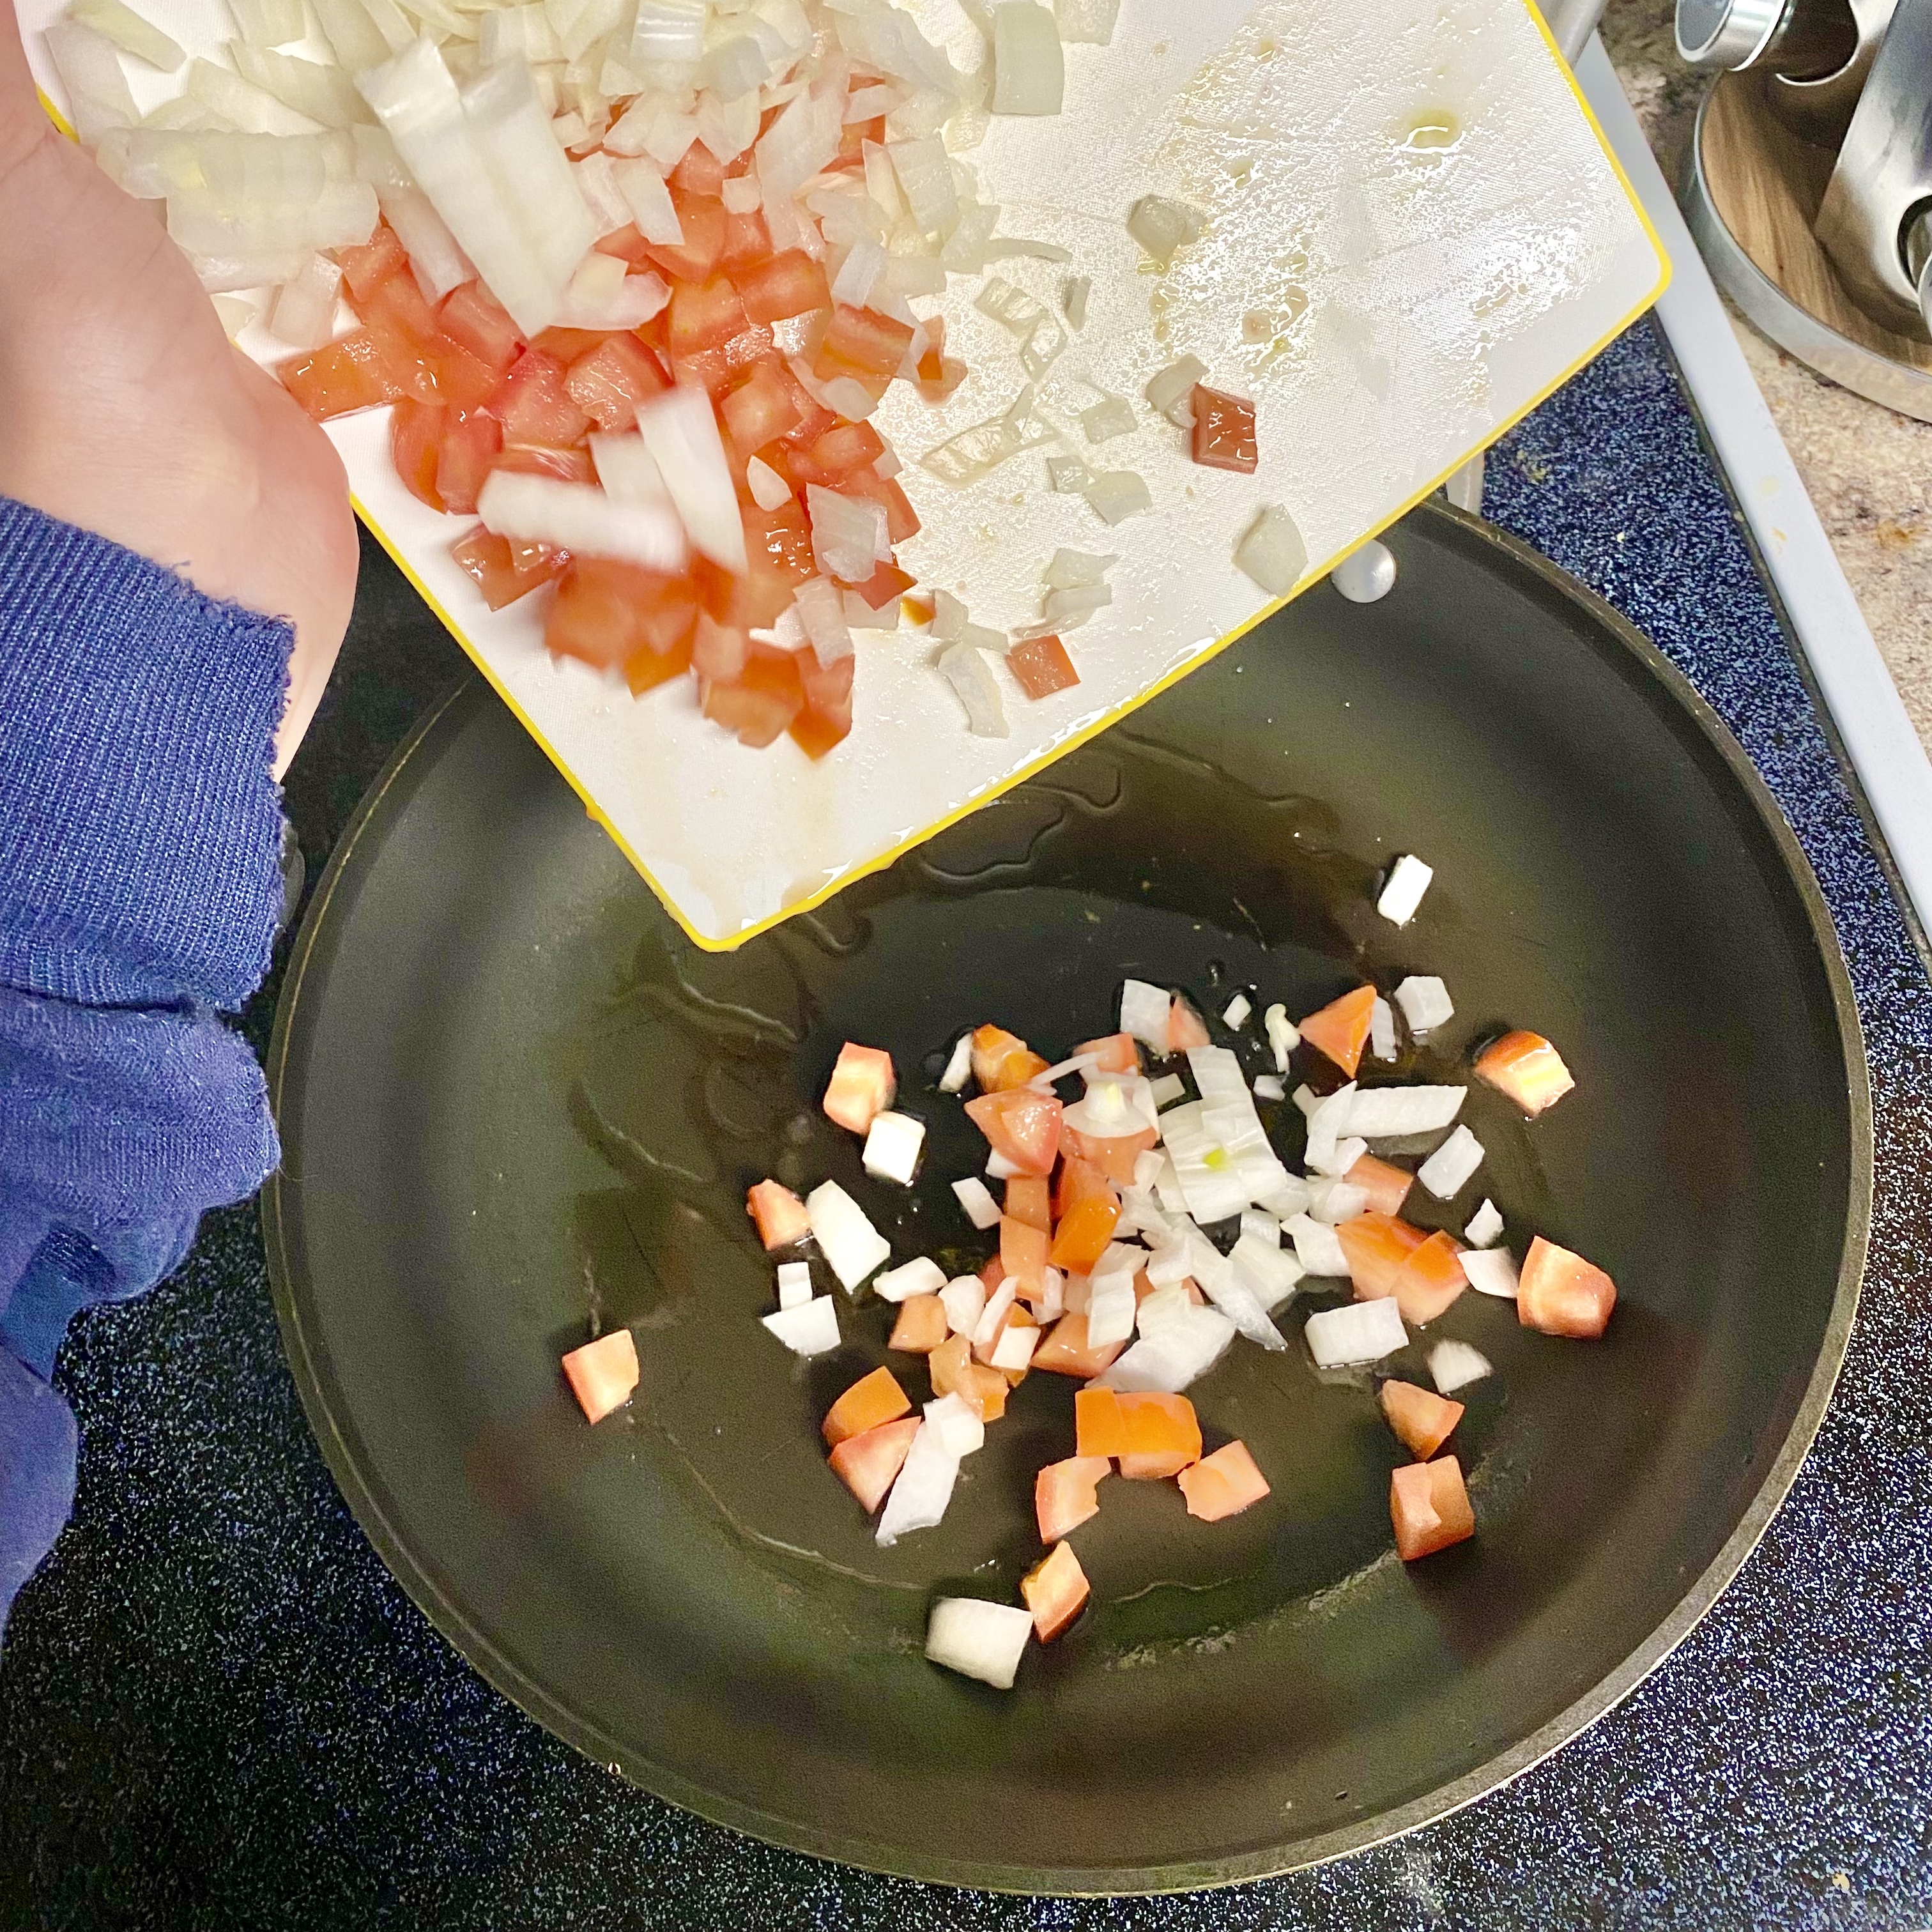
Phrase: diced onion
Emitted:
{"points": [[972, 453], [1236, 1013], [1268, 1272], [1271, 552], [1144, 1013], [1029, 70], [626, 469], [1117, 494], [1179, 1343], [769, 490], [1316, 1245], [1364, 1331], [1268, 1086], [1077, 570], [963, 1298], [1381, 1030], [921, 1276], [1425, 1003], [892, 1145], [1112, 417], [1088, 22], [1491, 1271], [975, 1638], [965, 669], [304, 313], [922, 1489], [1168, 1089], [859, 273], [960, 1066], [822, 610], [848, 534], [1407, 881], [976, 1199], [1335, 1201], [1073, 296], [924, 171], [1161, 225], [1454, 1365], [794, 1284], [269, 23], [810, 1329], [852, 1246], [1451, 1167], [1170, 390], [1390, 1113], [960, 1431], [1486, 1226], [999, 1305], [1282, 1036], [681, 431], [581, 518]]}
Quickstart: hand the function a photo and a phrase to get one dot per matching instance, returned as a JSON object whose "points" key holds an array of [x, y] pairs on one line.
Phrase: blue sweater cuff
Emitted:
{"points": [[140, 822]]}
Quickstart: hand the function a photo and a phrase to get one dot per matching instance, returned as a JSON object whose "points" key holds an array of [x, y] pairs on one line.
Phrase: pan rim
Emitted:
{"points": [[362, 1491]]}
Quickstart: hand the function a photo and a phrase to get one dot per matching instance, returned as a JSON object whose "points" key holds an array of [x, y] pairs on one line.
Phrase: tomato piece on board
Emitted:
{"points": [[606, 612], [1002, 1060], [789, 284], [536, 459], [781, 539], [1224, 430], [1377, 1248], [1067, 1351], [758, 408], [1341, 1029], [534, 405], [700, 172], [373, 262], [603, 1374], [885, 583], [778, 1214], [932, 357], [1089, 1211], [608, 382], [415, 444], [827, 715], [701, 217], [1022, 1125], [869, 1464], [861, 342], [1386, 1185], [1422, 1420], [1080, 1181], [936, 388], [870, 1400], [1043, 667], [762, 701], [1429, 1508], [861, 1086], [1562, 1294], [1055, 1589], [1114, 1157], [748, 242], [472, 316], [626, 244], [1527, 1069], [1100, 1423], [1065, 1494], [1222, 1484], [1163, 1435], [920, 1325], [844, 447], [719, 652], [499, 572], [566, 345], [472, 441], [1022, 1254], [704, 315], [1113, 1053], [350, 373], [1029, 1199]]}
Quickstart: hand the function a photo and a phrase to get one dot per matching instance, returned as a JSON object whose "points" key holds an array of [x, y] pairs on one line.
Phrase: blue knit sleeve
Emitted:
{"points": [[140, 828]]}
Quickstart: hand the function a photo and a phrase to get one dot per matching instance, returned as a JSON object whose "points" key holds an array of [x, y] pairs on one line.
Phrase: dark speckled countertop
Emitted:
{"points": [[217, 1710]]}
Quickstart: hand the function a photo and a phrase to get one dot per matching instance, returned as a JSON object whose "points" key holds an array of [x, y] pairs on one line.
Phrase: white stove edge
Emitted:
{"points": [[1837, 643]]}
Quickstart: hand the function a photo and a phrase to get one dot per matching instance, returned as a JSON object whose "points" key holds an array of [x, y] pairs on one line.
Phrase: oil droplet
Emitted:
{"points": [[1431, 130]]}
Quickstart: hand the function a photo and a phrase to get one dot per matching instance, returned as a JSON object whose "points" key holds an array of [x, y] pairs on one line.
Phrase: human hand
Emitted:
{"points": [[125, 410]]}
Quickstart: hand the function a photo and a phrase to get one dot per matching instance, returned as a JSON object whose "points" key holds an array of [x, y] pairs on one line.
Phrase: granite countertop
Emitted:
{"points": [[1868, 470]]}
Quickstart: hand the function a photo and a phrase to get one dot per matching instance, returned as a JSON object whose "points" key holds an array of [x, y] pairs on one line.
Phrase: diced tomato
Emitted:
{"points": [[902, 519], [1022, 1253], [718, 652], [920, 1326], [1002, 1061], [861, 342], [603, 1374], [1562, 1294], [935, 389], [782, 538], [844, 447], [534, 405], [814, 420], [954, 1372], [778, 1212], [626, 244], [1378, 1248], [759, 408], [870, 1400], [1100, 1423], [1527, 1069], [1114, 1157], [704, 315], [1341, 1029], [1429, 1508], [933, 355], [1023, 1125], [472, 440], [374, 262], [861, 1088], [536, 459], [748, 242], [1163, 1436], [1185, 1028], [1422, 1420], [789, 284], [1029, 1200], [1224, 430], [350, 373], [700, 172], [396, 313], [701, 217], [885, 583], [867, 1464], [1431, 1279], [1386, 1185], [565, 346], [608, 382], [1055, 1589], [501, 576], [607, 614], [472, 316], [827, 716], [1043, 667], [1065, 1494], [415, 443], [1113, 1053], [1066, 1352], [1089, 1209], [992, 1272], [1222, 1484]]}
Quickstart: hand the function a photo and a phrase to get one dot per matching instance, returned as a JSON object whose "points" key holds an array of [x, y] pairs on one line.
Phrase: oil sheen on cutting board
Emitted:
{"points": [[1414, 233]]}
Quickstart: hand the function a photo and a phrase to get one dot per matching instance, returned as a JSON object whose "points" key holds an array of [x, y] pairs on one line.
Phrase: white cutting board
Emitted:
{"points": [[1442, 292]]}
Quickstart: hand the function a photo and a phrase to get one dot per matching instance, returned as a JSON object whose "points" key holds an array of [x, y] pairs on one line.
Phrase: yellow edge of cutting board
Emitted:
{"points": [[1113, 718]]}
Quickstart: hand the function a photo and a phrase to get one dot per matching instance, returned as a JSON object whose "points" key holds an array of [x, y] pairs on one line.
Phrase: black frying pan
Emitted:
{"points": [[514, 1096]]}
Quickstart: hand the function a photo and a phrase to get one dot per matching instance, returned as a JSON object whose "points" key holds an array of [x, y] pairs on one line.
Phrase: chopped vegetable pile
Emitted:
{"points": [[632, 276], [1103, 1269]]}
